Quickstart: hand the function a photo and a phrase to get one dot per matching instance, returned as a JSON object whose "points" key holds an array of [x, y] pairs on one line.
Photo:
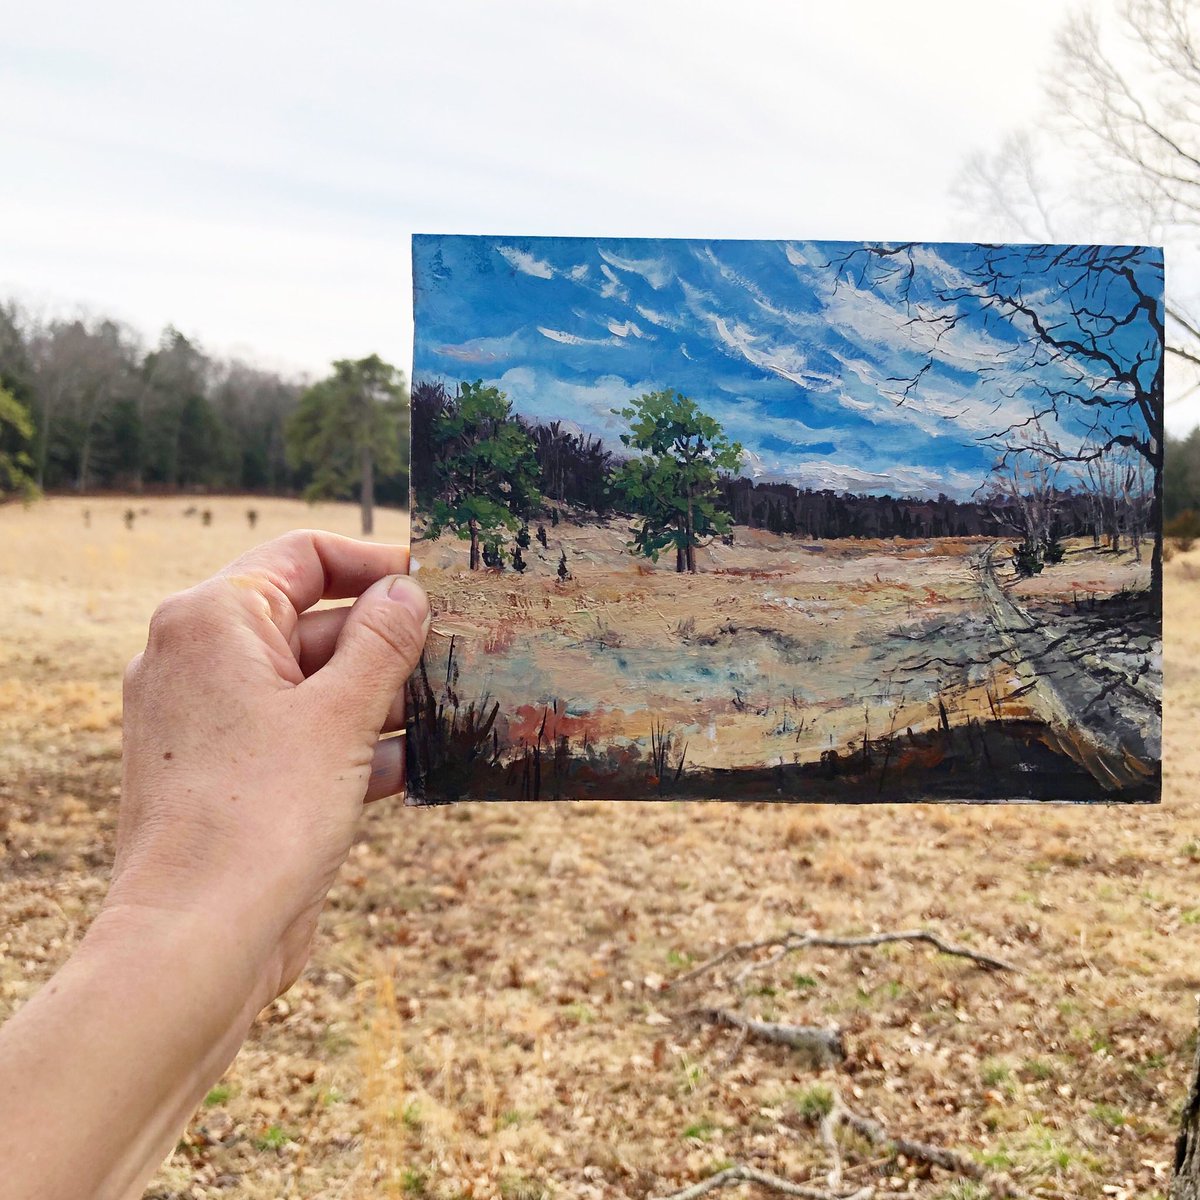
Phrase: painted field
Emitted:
{"points": [[854, 669]]}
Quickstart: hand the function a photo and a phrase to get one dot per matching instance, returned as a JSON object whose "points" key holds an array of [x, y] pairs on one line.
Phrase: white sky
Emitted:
{"points": [[252, 171]]}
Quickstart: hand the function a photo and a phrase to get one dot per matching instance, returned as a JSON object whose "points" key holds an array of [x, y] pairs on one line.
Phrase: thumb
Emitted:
{"points": [[377, 650]]}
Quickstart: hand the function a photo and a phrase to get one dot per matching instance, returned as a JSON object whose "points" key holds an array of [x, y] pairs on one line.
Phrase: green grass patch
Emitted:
{"points": [[700, 1131], [814, 1103], [992, 1073], [275, 1138], [1109, 1115]]}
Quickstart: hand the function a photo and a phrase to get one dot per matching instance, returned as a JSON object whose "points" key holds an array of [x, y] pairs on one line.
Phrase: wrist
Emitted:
{"points": [[219, 957]]}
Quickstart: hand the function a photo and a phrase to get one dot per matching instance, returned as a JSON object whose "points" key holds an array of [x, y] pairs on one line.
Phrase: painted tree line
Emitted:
{"points": [[84, 406], [486, 473]]}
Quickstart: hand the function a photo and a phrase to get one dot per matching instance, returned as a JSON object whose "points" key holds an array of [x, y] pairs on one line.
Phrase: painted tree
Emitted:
{"points": [[486, 472], [673, 485], [1026, 484], [347, 428]]}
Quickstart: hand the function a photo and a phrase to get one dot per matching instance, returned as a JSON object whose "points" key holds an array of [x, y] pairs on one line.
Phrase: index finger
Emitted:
{"points": [[308, 565]]}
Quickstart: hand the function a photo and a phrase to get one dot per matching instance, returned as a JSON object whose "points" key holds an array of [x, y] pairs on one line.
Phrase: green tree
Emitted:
{"points": [[348, 428], [16, 438], [485, 480], [672, 484]]}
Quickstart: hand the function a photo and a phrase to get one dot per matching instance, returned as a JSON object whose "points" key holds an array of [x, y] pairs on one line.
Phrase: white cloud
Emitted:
{"points": [[612, 287], [794, 255], [658, 318], [900, 480], [587, 406], [525, 262], [483, 350], [572, 339], [624, 329], [785, 361], [656, 272]]}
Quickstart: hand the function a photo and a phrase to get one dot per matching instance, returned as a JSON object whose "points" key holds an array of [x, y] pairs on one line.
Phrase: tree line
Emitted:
{"points": [[85, 406]]}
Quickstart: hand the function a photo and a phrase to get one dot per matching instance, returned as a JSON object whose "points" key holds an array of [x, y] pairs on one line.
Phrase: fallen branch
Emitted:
{"points": [[824, 1045], [740, 1173], [792, 941], [829, 1141], [998, 1185]]}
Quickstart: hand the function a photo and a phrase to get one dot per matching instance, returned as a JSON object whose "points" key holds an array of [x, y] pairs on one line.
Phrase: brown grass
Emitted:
{"points": [[483, 1016]]}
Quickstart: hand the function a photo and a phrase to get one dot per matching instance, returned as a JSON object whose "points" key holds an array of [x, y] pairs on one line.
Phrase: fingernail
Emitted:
{"points": [[412, 595]]}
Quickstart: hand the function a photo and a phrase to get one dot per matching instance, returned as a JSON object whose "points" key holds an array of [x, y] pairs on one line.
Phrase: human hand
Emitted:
{"points": [[252, 737], [251, 733]]}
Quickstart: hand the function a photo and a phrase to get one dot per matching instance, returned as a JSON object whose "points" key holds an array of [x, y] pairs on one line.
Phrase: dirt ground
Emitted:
{"points": [[486, 1012]]}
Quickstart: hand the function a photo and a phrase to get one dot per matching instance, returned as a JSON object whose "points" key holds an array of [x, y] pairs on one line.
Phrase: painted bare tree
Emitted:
{"points": [[1089, 339], [1026, 482]]}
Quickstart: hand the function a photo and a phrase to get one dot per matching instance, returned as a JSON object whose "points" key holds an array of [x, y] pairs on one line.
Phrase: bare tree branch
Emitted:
{"points": [[740, 1173], [823, 1045], [793, 940]]}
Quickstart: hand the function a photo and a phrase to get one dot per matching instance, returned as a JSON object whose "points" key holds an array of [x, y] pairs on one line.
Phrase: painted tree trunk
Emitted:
{"points": [[474, 529], [368, 491], [690, 535]]}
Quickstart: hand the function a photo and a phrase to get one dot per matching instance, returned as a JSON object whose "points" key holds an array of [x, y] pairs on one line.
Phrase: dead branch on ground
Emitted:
{"points": [[874, 1132], [794, 940], [740, 1173], [824, 1045]]}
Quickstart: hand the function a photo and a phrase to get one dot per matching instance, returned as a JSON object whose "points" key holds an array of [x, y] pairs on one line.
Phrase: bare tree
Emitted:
{"points": [[1115, 157]]}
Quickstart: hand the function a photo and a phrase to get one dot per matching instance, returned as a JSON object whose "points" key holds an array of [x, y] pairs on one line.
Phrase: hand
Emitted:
{"points": [[252, 737]]}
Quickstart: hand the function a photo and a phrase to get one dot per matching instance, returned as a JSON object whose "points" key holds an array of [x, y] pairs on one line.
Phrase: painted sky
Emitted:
{"points": [[803, 363]]}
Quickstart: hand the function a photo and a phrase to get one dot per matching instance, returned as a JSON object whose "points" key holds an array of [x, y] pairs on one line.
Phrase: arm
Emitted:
{"points": [[251, 739]]}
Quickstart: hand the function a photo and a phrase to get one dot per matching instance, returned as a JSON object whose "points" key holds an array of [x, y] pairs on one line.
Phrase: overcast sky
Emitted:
{"points": [[253, 171]]}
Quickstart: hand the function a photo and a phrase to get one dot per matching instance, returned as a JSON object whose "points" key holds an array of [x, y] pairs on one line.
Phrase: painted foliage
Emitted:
{"points": [[785, 520]]}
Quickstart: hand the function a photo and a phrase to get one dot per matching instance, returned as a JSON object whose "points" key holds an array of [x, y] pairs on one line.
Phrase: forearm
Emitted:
{"points": [[102, 1069]]}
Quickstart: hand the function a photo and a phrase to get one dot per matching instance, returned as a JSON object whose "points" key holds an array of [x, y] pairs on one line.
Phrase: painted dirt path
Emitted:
{"points": [[1105, 711]]}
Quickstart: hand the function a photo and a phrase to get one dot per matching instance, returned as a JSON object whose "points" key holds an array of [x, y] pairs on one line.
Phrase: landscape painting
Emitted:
{"points": [[787, 521]]}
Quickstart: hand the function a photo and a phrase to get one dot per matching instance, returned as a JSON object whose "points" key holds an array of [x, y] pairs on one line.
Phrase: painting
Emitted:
{"points": [[787, 521]]}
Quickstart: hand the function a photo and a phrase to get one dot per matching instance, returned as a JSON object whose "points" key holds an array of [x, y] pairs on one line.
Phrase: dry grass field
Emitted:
{"points": [[488, 1010]]}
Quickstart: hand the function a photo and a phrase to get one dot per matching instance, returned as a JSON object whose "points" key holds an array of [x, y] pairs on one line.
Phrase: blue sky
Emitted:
{"points": [[801, 362]]}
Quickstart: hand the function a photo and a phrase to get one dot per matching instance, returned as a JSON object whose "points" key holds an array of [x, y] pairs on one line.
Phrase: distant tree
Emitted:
{"points": [[429, 398], [169, 405], [347, 428], [673, 485], [486, 470], [16, 440], [252, 407]]}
